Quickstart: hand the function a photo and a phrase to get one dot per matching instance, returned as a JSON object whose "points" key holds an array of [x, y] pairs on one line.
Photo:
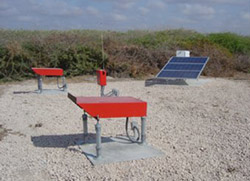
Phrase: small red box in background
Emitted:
{"points": [[101, 77]]}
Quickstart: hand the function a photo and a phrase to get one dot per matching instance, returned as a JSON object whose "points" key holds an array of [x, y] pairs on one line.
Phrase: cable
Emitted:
{"points": [[135, 129], [60, 87]]}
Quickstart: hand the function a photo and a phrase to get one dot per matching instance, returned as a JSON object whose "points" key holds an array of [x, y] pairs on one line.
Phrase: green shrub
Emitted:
{"points": [[233, 42], [80, 60], [14, 62], [127, 54]]}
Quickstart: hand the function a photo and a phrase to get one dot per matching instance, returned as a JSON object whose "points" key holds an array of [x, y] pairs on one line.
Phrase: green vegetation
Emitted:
{"points": [[233, 42], [130, 54]]}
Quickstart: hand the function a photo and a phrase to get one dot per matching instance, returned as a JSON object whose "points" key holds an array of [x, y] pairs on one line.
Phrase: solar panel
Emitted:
{"points": [[189, 60], [183, 68], [194, 67]]}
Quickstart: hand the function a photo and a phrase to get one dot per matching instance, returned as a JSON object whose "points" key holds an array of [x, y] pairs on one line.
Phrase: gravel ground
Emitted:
{"points": [[204, 132]]}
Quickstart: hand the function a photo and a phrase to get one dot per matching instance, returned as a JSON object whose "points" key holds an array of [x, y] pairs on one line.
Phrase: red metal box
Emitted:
{"points": [[111, 107], [101, 77], [48, 71]]}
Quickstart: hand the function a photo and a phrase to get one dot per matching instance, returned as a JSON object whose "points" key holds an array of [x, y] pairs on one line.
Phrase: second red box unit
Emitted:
{"points": [[101, 77]]}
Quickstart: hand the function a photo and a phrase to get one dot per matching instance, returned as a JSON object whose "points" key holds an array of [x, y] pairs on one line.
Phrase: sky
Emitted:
{"points": [[122, 15]]}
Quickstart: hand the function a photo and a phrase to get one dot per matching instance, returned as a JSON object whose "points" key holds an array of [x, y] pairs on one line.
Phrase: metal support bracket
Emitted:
{"points": [[113, 92], [85, 126], [98, 139], [143, 130], [40, 84], [102, 91]]}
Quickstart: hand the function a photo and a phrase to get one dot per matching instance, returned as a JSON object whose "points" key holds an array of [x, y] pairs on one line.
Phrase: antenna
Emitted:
{"points": [[102, 51]]}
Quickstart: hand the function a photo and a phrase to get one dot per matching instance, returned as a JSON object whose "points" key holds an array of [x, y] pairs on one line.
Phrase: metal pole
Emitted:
{"points": [[102, 52], [40, 83], [85, 126], [98, 139], [143, 130], [102, 90]]}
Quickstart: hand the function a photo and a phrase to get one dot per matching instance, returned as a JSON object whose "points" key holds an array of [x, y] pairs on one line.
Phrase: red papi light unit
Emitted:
{"points": [[102, 81], [112, 107], [101, 77], [48, 71], [58, 72]]}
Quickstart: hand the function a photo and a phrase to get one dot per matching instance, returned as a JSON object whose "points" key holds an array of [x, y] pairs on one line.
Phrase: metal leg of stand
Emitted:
{"points": [[40, 83], [102, 91], [98, 139], [143, 130], [85, 127]]}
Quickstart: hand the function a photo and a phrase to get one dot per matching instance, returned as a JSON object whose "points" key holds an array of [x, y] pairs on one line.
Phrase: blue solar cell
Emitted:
{"points": [[183, 67], [179, 74], [191, 67], [189, 60]]}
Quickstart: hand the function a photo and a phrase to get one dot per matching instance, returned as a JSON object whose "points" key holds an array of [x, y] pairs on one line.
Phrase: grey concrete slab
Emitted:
{"points": [[189, 82], [118, 149], [159, 81]]}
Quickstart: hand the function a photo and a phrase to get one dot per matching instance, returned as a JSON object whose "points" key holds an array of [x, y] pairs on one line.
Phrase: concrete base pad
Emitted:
{"points": [[189, 82], [117, 150]]}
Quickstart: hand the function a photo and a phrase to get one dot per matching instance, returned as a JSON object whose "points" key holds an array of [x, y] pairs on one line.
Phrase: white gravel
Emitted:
{"points": [[204, 132]]}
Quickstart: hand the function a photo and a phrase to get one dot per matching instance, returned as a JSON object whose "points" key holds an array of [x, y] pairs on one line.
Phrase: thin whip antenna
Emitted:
{"points": [[102, 51]]}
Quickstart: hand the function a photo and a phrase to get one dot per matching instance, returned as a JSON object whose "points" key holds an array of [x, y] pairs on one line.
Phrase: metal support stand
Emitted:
{"points": [[113, 92], [143, 130], [40, 83], [85, 126], [102, 91], [98, 139]]}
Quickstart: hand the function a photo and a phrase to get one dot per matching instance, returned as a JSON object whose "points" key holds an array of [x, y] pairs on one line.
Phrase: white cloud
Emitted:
{"points": [[124, 4], [157, 4], [56, 8], [197, 11], [230, 15], [92, 10], [119, 17], [182, 21], [4, 6], [229, 1], [246, 16], [26, 18], [143, 10], [9, 11], [209, 1]]}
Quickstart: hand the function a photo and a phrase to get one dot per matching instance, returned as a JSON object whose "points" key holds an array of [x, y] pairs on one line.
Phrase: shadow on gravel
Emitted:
{"points": [[64, 141], [23, 92], [45, 91], [3, 132]]}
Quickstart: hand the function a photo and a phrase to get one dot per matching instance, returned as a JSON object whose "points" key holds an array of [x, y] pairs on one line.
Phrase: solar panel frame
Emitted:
{"points": [[191, 60], [203, 67], [178, 63]]}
